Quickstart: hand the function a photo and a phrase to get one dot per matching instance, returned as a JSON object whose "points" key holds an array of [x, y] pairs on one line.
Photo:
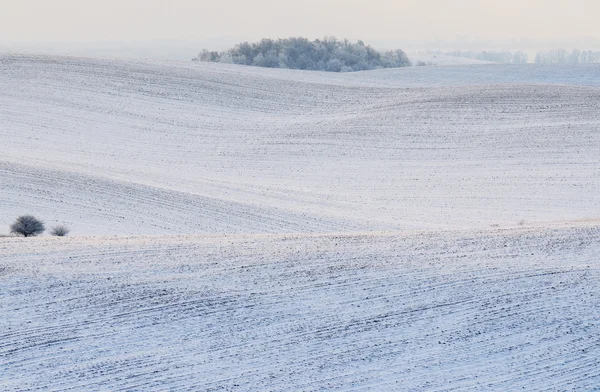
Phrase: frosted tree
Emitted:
{"points": [[328, 54], [27, 226]]}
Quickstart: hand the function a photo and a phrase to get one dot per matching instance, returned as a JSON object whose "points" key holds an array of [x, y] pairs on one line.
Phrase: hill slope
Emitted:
{"points": [[469, 311], [299, 230], [263, 151]]}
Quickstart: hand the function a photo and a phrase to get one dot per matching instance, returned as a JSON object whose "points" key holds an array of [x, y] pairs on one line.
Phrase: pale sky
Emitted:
{"points": [[103, 20]]}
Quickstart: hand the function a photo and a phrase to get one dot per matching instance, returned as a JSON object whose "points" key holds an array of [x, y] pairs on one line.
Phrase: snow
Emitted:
{"points": [[492, 310], [106, 146], [250, 229]]}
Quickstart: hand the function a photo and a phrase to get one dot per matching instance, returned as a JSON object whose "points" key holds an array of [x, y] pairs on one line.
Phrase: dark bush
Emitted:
{"points": [[60, 231], [27, 226]]}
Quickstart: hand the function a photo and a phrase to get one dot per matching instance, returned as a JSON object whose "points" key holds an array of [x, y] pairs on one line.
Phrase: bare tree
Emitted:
{"points": [[27, 226], [60, 231]]}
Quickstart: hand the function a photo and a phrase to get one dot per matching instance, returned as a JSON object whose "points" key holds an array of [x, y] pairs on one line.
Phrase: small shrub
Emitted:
{"points": [[27, 226], [60, 231]]}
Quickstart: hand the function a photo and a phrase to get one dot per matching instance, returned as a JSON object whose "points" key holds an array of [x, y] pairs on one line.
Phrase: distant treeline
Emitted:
{"points": [[563, 56], [495, 57], [329, 54]]}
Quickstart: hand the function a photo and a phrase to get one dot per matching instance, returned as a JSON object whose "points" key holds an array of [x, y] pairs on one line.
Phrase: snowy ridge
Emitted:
{"points": [[494, 310]]}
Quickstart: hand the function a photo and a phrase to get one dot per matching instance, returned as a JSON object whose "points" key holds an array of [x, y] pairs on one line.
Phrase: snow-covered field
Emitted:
{"points": [[440, 59], [116, 147], [500, 310], [240, 228]]}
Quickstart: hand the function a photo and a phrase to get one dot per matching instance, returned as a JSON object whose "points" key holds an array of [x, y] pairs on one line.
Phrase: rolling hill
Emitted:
{"points": [[250, 229], [265, 151]]}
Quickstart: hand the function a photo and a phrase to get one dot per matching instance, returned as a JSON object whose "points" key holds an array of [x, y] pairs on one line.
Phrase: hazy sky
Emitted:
{"points": [[98, 20]]}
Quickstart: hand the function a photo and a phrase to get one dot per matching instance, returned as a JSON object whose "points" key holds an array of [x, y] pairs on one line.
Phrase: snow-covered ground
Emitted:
{"points": [[122, 147], [250, 229], [498, 310]]}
